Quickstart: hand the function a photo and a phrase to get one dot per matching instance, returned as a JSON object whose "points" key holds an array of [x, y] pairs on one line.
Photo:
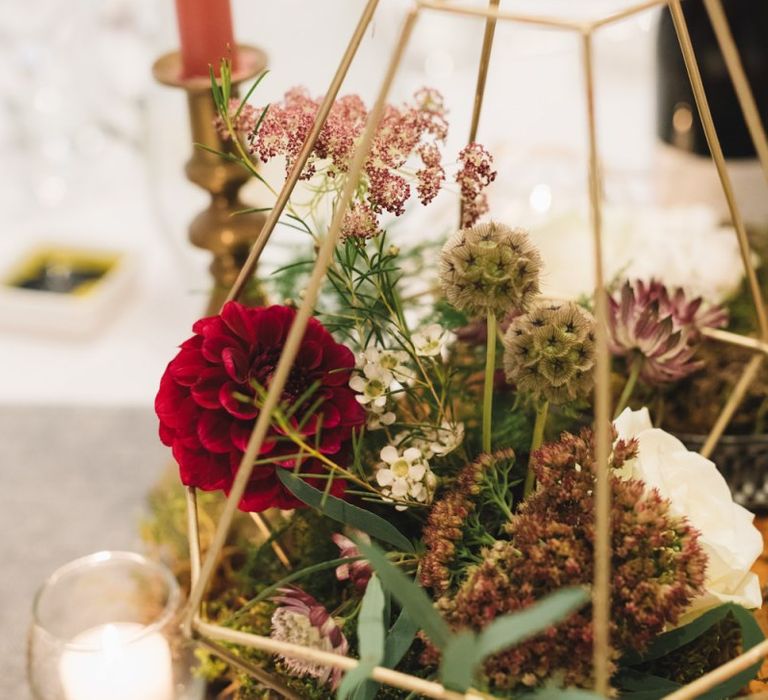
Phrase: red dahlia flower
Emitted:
{"points": [[207, 406]]}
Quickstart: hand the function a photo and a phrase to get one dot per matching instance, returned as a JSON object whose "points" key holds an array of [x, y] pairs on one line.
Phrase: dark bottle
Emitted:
{"points": [[678, 120]]}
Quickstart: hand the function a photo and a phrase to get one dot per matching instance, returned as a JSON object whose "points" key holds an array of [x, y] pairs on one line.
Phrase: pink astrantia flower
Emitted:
{"points": [[358, 572], [662, 329], [300, 619]]}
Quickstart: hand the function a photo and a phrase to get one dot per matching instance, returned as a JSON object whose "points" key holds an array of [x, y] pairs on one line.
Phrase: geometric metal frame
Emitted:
{"points": [[209, 635]]}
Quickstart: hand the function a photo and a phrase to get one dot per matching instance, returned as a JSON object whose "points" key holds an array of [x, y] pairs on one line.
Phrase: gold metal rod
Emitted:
{"points": [[482, 71], [396, 679], [193, 534], [742, 341], [744, 92], [266, 531], [293, 177], [296, 333], [734, 400], [626, 13], [482, 76], [266, 679], [720, 674], [684, 37], [601, 590], [538, 20]]}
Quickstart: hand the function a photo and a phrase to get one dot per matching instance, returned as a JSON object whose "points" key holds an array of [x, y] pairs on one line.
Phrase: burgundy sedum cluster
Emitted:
{"points": [[658, 567]]}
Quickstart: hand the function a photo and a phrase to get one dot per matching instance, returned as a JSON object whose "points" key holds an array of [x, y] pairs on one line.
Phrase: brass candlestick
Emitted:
{"points": [[217, 229]]}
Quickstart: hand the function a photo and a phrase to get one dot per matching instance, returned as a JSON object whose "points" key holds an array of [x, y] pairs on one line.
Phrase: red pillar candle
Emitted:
{"points": [[205, 31]]}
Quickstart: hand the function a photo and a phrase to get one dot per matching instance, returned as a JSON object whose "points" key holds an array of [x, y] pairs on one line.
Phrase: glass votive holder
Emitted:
{"points": [[104, 627]]}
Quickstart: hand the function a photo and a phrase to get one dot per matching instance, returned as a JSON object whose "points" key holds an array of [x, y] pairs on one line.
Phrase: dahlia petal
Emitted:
{"points": [[310, 355], [170, 397], [239, 321], [187, 366], [201, 469], [214, 345], [213, 431], [205, 391], [233, 405], [201, 326], [262, 495], [240, 433], [275, 323], [167, 435], [235, 363]]}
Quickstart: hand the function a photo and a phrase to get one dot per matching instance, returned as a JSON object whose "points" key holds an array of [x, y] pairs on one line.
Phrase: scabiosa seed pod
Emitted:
{"points": [[549, 353], [490, 267], [300, 619]]}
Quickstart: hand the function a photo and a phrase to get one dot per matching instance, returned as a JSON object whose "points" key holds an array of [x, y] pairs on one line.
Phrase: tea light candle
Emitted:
{"points": [[117, 661]]}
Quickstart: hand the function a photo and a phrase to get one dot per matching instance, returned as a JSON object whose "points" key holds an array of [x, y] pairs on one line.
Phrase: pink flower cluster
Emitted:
{"points": [[408, 135]]}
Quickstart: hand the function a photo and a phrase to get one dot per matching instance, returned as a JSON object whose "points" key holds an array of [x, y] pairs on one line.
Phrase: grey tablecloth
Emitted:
{"points": [[72, 482]]}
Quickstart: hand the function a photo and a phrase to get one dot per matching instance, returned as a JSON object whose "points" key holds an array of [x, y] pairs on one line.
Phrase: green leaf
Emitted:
{"points": [[293, 576], [458, 662], [514, 628], [343, 512], [370, 633], [400, 638], [250, 92], [644, 686], [410, 596]]}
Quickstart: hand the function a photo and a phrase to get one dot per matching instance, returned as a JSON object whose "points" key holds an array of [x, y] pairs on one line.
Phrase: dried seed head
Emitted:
{"points": [[550, 352], [490, 267]]}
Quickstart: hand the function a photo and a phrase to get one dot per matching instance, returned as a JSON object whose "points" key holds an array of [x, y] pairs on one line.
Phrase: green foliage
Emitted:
{"points": [[370, 636], [683, 654], [345, 512], [464, 652]]}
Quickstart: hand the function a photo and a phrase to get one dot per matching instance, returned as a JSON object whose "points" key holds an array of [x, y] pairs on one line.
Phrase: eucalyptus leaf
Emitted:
{"points": [[400, 638], [370, 634], [457, 665], [410, 596], [344, 512]]}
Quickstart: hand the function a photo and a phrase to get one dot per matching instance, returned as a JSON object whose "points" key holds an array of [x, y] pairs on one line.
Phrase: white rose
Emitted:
{"points": [[697, 490]]}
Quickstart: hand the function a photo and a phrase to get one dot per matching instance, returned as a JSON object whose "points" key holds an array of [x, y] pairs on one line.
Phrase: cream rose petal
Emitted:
{"points": [[697, 490]]}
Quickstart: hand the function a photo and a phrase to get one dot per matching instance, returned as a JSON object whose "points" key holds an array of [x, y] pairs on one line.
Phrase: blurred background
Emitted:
{"points": [[93, 151]]}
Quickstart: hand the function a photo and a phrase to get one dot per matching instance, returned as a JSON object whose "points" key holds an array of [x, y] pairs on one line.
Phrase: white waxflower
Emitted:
{"points": [[430, 341], [405, 476], [373, 385], [379, 417], [391, 360], [446, 438]]}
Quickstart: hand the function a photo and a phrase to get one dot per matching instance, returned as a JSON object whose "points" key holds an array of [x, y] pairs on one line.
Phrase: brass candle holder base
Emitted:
{"points": [[217, 229]]}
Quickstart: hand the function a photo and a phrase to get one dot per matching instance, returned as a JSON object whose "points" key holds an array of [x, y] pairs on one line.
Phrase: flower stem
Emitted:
{"points": [[629, 387], [538, 438], [490, 368]]}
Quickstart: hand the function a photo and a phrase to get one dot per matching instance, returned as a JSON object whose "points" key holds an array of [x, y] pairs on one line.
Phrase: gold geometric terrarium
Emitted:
{"points": [[210, 635]]}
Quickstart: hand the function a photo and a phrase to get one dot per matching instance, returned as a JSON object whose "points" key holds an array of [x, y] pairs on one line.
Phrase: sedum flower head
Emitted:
{"points": [[658, 567], [300, 619], [550, 352], [490, 267], [646, 321], [448, 529]]}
